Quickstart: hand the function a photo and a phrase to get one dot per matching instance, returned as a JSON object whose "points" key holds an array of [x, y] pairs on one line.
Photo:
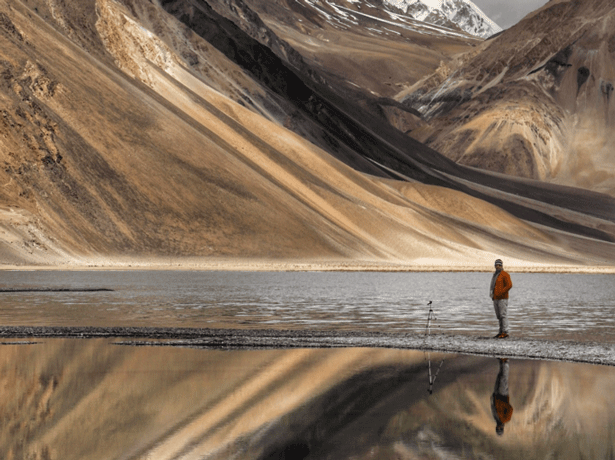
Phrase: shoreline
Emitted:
{"points": [[250, 339], [316, 266]]}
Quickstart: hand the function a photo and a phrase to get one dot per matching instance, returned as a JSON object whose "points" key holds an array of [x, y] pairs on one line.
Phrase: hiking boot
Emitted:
{"points": [[502, 335]]}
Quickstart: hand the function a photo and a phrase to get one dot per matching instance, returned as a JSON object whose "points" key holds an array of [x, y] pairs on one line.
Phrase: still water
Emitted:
{"points": [[94, 399], [102, 400], [554, 306]]}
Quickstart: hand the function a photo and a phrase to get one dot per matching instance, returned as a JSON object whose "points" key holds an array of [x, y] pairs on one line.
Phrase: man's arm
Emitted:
{"points": [[507, 283]]}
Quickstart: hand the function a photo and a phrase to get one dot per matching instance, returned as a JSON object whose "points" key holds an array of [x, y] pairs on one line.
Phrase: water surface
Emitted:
{"points": [[96, 399], [554, 306], [91, 399]]}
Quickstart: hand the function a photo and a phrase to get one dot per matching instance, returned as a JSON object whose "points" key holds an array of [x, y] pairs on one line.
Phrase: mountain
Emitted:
{"points": [[462, 14], [365, 44], [190, 132], [367, 51], [535, 102]]}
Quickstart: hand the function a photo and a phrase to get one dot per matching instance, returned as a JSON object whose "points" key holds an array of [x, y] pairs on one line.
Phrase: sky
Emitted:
{"points": [[506, 13]]}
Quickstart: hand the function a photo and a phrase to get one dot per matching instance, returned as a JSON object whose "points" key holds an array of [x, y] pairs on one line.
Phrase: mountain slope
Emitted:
{"points": [[395, 154], [130, 135], [363, 48], [534, 102]]}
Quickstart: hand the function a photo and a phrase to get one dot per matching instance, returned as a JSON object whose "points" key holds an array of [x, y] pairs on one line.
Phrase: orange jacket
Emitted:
{"points": [[501, 408], [502, 286]]}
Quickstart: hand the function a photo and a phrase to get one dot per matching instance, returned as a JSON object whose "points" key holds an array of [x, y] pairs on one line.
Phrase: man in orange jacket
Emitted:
{"points": [[500, 401], [500, 285]]}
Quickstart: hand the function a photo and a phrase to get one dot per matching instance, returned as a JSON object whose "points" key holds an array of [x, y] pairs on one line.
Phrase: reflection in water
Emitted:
{"points": [[432, 377], [90, 399], [500, 401]]}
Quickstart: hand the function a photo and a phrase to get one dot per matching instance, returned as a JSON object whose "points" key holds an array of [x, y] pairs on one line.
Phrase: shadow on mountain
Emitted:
{"points": [[126, 142], [333, 117], [352, 417]]}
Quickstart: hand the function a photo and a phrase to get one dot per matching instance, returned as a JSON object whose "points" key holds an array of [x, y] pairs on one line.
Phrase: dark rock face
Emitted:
{"points": [[282, 70], [244, 47], [582, 75]]}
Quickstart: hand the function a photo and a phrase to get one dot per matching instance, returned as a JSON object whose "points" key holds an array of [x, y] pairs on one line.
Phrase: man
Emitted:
{"points": [[500, 401], [500, 285]]}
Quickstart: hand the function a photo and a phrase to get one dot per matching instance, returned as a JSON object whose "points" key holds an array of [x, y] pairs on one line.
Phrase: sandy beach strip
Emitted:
{"points": [[249, 339], [200, 264]]}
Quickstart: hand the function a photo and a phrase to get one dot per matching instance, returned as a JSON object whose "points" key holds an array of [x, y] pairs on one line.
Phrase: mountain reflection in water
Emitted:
{"points": [[92, 399]]}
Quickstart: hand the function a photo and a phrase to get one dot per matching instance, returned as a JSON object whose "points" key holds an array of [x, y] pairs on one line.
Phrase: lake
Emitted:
{"points": [[104, 399], [94, 399], [553, 306]]}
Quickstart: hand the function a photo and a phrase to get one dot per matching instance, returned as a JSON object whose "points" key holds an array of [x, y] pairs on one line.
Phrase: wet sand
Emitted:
{"points": [[557, 350]]}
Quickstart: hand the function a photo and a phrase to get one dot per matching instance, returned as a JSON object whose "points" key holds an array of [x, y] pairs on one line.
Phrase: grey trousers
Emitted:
{"points": [[501, 382], [501, 311]]}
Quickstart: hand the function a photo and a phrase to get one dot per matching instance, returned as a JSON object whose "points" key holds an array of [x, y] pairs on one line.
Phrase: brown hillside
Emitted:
{"points": [[127, 135], [535, 102]]}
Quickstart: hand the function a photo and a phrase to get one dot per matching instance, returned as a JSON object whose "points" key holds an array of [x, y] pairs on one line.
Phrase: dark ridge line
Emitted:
{"points": [[10, 291]]}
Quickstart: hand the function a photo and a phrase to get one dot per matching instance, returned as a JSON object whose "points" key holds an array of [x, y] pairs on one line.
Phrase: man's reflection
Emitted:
{"points": [[500, 401]]}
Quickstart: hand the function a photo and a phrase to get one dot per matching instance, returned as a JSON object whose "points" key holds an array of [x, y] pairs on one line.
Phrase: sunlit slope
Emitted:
{"points": [[336, 120], [121, 151], [126, 171]]}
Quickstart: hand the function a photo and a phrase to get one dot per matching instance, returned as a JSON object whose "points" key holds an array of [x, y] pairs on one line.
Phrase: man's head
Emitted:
{"points": [[499, 264]]}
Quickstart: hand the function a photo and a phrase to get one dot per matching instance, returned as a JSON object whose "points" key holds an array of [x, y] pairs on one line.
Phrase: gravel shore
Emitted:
{"points": [[584, 352]]}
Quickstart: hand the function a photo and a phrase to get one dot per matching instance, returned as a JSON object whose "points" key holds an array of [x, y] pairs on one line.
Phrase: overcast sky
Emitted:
{"points": [[507, 13]]}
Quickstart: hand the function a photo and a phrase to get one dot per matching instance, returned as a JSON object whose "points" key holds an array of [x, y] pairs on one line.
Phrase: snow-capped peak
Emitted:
{"points": [[461, 13]]}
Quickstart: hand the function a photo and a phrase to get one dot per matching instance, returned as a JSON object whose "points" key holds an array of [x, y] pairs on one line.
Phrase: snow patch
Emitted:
{"points": [[415, 26], [464, 13]]}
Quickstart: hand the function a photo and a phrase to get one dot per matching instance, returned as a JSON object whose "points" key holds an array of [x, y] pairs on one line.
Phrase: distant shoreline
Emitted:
{"points": [[284, 266]]}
